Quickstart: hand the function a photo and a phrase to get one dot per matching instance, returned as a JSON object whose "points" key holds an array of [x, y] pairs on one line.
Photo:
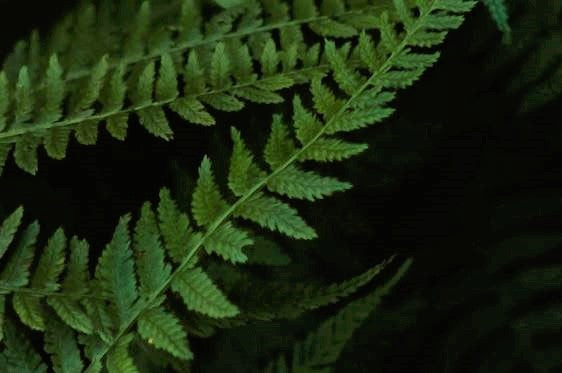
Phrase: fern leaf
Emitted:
{"points": [[164, 331], [145, 85], [266, 252], [18, 355], [258, 95], [119, 360], [207, 201], [60, 343], [305, 123], [91, 89], [282, 300], [95, 70], [166, 86], [280, 146], [24, 99], [51, 263], [275, 215], [25, 153], [87, 133], [228, 241], [243, 172], [134, 45], [30, 311], [200, 294], [54, 92], [347, 79], [117, 125], [295, 183], [155, 122], [151, 266], [75, 282], [331, 149], [77, 270], [223, 102], [269, 58], [9, 228], [174, 226], [325, 102], [220, 67], [192, 110], [499, 13], [115, 271], [45, 278], [194, 74], [323, 346], [114, 92], [16, 271], [72, 314]]}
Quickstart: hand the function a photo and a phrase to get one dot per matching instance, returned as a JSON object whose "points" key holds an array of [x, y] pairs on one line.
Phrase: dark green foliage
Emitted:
{"points": [[95, 309]]}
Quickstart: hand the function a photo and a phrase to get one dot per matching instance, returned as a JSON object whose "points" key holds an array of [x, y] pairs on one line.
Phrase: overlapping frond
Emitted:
{"points": [[322, 347], [274, 300], [174, 61], [128, 273], [399, 66], [500, 14], [136, 274]]}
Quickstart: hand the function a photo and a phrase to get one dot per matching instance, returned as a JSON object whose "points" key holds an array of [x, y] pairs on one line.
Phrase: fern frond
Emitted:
{"points": [[18, 355], [220, 71], [499, 13], [133, 275], [62, 345], [274, 300], [323, 346], [162, 329], [209, 206]]}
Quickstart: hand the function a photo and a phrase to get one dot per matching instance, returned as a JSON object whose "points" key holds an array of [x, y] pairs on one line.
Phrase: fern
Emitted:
{"points": [[274, 300], [217, 62], [499, 13], [322, 347], [127, 274], [126, 298]]}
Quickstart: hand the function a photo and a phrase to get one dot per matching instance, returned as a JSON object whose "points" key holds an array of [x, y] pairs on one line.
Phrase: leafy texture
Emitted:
{"points": [[322, 347], [227, 60], [140, 273]]}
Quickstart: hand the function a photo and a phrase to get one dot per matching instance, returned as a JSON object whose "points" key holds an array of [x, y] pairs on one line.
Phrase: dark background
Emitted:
{"points": [[454, 173]]}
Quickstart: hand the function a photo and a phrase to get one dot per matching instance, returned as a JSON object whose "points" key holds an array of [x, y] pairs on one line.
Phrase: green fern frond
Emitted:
{"points": [[322, 347], [133, 274], [18, 355], [274, 300], [211, 209], [499, 13], [219, 71]]}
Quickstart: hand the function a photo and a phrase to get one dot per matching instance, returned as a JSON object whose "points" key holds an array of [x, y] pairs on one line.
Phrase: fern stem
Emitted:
{"points": [[259, 185], [10, 134]]}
